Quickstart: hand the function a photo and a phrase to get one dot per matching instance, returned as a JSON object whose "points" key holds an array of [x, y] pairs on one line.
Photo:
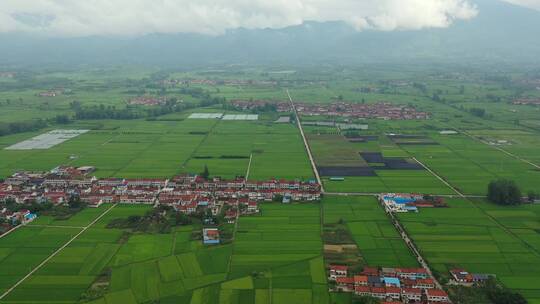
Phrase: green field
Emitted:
{"points": [[129, 149], [168, 267], [378, 241], [483, 238], [277, 255]]}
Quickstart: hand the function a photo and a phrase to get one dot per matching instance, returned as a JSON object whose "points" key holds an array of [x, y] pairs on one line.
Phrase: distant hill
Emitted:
{"points": [[501, 32]]}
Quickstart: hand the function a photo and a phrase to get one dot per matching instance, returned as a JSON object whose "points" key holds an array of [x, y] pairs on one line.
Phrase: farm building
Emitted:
{"points": [[210, 236], [402, 203]]}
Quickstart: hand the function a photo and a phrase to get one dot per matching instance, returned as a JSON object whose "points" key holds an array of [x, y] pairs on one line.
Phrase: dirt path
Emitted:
{"points": [[306, 144], [500, 149], [249, 166], [440, 178], [376, 194], [54, 254]]}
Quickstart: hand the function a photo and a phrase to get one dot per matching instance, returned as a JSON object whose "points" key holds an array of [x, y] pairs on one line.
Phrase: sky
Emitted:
{"points": [[139, 17]]}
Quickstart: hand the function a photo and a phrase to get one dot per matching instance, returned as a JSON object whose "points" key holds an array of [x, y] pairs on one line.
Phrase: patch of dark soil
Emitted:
{"points": [[418, 143], [393, 163], [346, 171]]}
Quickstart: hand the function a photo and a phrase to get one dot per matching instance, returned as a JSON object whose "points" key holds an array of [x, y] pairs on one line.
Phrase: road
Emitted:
{"points": [[54, 254], [376, 194], [500, 149], [306, 144], [440, 178], [249, 166], [413, 248]]}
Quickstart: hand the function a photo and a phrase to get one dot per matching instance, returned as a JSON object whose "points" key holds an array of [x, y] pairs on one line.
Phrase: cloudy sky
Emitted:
{"points": [[137, 17]]}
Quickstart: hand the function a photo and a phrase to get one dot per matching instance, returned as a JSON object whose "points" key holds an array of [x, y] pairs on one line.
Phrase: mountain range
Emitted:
{"points": [[501, 33]]}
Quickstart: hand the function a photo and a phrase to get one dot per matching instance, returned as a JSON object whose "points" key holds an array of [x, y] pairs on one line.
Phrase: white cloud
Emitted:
{"points": [[135, 17], [534, 4]]}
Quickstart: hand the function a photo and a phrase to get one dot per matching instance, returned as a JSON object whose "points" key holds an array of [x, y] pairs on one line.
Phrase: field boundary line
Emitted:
{"points": [[306, 144], [376, 194], [15, 228], [57, 226], [499, 149], [173, 247], [249, 166], [7, 292], [194, 152], [139, 153], [504, 228], [440, 178], [410, 244]]}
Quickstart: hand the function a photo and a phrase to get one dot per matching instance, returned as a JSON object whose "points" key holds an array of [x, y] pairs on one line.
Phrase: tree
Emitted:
{"points": [[479, 112], [182, 219], [62, 119], [205, 174], [504, 192], [501, 295], [532, 196]]}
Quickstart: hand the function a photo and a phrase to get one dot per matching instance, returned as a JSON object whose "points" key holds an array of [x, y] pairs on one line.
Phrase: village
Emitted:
{"points": [[527, 101], [398, 285], [379, 110], [185, 193], [401, 202], [211, 82], [147, 101]]}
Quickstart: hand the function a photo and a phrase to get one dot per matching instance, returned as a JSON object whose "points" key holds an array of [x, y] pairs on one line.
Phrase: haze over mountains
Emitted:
{"points": [[501, 32]]}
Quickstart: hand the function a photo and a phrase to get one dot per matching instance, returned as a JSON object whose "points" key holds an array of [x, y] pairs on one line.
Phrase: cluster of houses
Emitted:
{"points": [[391, 285], [185, 193], [211, 82], [211, 236], [7, 75], [461, 276], [250, 105], [400, 202], [54, 92], [527, 101], [147, 101], [232, 82], [49, 94], [380, 110], [10, 219]]}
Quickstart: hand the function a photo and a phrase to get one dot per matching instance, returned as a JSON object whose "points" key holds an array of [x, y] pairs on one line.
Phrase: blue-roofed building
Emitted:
{"points": [[410, 208], [391, 282], [400, 202], [30, 217]]}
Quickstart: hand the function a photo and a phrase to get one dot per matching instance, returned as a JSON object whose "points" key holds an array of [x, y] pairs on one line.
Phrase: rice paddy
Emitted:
{"points": [[278, 255], [481, 237]]}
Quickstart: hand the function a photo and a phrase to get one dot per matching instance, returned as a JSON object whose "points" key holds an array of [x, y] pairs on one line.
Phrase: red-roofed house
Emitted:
{"points": [[362, 290], [437, 295], [411, 294], [461, 275], [370, 271], [360, 280], [345, 284], [424, 283], [393, 292], [338, 271], [378, 292], [412, 273]]}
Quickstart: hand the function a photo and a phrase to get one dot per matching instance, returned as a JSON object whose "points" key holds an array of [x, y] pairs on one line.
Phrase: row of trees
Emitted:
{"points": [[20, 127], [172, 105]]}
